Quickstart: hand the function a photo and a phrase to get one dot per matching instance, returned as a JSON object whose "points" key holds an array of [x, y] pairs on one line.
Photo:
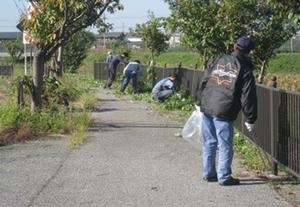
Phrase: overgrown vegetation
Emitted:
{"points": [[68, 102], [252, 157]]}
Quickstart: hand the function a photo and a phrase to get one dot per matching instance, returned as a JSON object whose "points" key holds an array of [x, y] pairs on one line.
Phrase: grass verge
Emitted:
{"points": [[19, 124]]}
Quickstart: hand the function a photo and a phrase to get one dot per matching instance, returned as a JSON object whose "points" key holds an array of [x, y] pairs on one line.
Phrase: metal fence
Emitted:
{"points": [[291, 45], [6, 70], [277, 129]]}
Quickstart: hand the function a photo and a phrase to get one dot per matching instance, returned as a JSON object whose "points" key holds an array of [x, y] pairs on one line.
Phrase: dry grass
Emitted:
{"points": [[14, 135], [289, 82]]}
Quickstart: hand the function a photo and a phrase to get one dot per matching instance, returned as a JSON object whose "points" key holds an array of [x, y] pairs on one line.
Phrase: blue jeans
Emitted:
{"points": [[129, 75], [163, 95], [217, 131]]}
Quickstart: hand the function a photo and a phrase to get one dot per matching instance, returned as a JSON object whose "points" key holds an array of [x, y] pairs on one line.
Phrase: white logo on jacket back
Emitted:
{"points": [[224, 75]]}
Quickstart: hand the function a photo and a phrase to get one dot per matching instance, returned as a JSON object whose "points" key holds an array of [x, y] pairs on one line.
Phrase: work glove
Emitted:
{"points": [[249, 126]]}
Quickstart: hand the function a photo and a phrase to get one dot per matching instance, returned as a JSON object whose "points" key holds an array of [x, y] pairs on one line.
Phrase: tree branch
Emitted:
{"points": [[72, 27]]}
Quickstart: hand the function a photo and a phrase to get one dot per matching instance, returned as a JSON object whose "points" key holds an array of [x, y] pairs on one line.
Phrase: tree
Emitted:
{"points": [[153, 35], [14, 48], [196, 20], [274, 26], [210, 27], [292, 5], [52, 23], [76, 50]]}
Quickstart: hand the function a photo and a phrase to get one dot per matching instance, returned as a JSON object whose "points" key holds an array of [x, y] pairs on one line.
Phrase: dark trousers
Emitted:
{"points": [[126, 79], [111, 77]]}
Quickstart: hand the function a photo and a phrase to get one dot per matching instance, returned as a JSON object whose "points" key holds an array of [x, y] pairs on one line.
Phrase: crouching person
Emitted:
{"points": [[164, 88]]}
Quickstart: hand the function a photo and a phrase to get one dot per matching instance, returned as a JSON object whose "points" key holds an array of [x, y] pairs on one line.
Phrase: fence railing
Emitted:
{"points": [[277, 129]]}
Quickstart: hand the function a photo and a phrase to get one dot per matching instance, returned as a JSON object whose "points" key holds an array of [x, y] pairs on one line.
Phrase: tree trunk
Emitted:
{"points": [[152, 58], [57, 63], [37, 80], [261, 75]]}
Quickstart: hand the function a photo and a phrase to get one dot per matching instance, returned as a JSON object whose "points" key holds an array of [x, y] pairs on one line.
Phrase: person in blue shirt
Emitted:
{"points": [[164, 88], [112, 68], [130, 72]]}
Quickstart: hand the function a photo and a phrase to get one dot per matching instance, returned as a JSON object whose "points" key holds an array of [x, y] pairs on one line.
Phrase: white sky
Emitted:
{"points": [[135, 11]]}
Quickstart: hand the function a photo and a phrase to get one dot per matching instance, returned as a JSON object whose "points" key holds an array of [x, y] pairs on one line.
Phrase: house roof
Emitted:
{"points": [[134, 39], [9, 35]]}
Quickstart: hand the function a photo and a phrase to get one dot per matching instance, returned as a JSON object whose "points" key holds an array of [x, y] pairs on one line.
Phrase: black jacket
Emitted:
{"points": [[227, 87]]}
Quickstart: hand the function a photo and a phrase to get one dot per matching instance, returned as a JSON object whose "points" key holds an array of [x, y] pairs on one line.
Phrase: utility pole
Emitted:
{"points": [[104, 35]]}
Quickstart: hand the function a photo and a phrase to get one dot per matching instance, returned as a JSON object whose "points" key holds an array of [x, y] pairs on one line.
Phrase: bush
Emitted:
{"points": [[19, 123], [180, 101]]}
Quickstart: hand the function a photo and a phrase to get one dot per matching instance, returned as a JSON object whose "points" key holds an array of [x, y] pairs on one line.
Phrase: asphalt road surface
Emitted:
{"points": [[131, 159]]}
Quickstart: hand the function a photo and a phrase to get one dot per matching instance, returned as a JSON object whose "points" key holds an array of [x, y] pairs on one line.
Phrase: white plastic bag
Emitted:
{"points": [[191, 131]]}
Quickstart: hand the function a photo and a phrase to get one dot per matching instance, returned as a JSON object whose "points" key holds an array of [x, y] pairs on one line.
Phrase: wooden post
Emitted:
{"points": [[164, 70]]}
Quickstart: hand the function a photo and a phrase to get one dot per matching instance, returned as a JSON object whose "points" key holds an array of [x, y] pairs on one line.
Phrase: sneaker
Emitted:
{"points": [[210, 179], [230, 181]]}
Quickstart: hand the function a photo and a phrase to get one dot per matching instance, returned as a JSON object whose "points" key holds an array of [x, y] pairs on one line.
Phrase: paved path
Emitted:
{"points": [[131, 159]]}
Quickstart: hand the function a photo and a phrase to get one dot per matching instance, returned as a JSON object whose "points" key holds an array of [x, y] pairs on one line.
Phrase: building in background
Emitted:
{"points": [[134, 42], [104, 39], [4, 36], [175, 40]]}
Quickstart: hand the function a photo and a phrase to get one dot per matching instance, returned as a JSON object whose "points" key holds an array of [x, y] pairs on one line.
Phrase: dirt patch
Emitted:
{"points": [[290, 190], [15, 135], [284, 184]]}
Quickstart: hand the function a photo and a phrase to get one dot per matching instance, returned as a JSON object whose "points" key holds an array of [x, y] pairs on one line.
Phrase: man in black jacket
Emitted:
{"points": [[227, 87]]}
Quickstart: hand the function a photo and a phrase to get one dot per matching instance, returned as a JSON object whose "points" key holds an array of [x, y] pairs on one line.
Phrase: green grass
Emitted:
{"points": [[73, 119], [172, 59], [285, 63], [80, 122], [92, 56], [281, 63], [252, 157]]}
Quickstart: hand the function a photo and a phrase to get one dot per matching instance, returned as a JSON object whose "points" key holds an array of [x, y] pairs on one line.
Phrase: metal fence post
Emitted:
{"points": [[273, 117], [193, 78]]}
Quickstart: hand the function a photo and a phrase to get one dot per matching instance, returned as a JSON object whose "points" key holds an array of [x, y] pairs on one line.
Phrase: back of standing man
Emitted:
{"points": [[227, 87], [131, 73], [112, 68]]}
